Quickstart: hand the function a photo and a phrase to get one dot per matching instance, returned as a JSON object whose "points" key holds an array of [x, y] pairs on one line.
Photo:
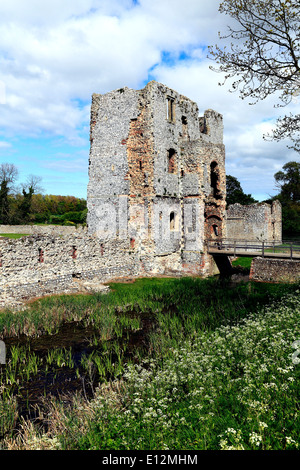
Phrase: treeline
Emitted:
{"points": [[47, 209], [287, 181], [25, 203]]}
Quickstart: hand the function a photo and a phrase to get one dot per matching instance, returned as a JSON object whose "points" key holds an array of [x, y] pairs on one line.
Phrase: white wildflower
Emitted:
{"points": [[255, 439]]}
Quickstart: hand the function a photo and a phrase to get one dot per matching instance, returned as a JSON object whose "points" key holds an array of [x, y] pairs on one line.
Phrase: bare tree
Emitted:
{"points": [[8, 173], [263, 55], [33, 184]]}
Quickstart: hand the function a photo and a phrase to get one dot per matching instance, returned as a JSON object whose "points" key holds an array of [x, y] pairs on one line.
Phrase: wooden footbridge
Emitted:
{"points": [[239, 248], [222, 250]]}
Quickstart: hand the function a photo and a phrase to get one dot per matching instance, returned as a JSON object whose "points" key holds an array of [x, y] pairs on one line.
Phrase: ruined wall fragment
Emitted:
{"points": [[255, 222]]}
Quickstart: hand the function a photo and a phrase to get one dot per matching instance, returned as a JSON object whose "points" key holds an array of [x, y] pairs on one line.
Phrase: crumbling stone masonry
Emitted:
{"points": [[38, 265], [273, 270], [157, 177], [255, 222]]}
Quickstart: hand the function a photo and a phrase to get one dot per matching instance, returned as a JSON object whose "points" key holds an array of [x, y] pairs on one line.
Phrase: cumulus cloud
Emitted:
{"points": [[54, 55], [55, 52]]}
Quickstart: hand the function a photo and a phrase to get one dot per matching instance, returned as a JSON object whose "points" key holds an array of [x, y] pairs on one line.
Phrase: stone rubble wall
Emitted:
{"points": [[37, 265], [41, 229], [254, 222], [272, 270]]}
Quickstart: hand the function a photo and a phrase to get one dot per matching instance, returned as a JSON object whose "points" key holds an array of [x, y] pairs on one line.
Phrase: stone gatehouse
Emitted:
{"points": [[157, 177]]}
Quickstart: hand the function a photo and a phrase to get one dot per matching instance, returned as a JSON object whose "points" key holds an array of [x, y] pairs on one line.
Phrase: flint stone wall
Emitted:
{"points": [[40, 229], [271, 270], [255, 222], [39, 264]]}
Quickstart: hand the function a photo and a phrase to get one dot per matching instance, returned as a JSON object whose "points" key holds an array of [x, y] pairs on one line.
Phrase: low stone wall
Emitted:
{"points": [[41, 229], [37, 265], [271, 270]]}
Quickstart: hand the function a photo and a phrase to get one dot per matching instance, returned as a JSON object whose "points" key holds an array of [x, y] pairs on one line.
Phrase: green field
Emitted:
{"points": [[13, 235], [211, 368], [244, 262]]}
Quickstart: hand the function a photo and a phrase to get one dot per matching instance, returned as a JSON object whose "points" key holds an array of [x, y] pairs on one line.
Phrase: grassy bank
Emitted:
{"points": [[244, 262], [14, 236], [213, 370]]}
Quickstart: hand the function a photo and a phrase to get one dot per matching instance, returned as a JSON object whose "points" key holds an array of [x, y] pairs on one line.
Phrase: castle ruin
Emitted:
{"points": [[157, 177], [156, 195]]}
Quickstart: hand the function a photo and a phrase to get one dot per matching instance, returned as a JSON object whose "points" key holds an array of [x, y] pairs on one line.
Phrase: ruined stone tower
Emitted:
{"points": [[157, 177]]}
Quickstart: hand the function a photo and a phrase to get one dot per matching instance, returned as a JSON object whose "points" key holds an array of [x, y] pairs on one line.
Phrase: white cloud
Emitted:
{"points": [[4, 145], [54, 55], [57, 51]]}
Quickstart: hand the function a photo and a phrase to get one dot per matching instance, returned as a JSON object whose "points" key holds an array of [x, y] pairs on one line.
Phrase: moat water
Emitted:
{"points": [[63, 382]]}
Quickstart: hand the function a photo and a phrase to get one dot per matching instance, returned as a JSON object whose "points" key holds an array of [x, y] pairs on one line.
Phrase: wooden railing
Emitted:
{"points": [[254, 248]]}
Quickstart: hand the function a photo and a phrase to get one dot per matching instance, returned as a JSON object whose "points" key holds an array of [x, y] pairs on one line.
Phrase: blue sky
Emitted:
{"points": [[54, 55]]}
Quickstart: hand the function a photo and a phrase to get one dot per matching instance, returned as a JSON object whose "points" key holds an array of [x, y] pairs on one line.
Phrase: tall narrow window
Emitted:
{"points": [[214, 180], [174, 223], [184, 126], [74, 252], [41, 255], [215, 229], [160, 224], [171, 109], [202, 125], [171, 160]]}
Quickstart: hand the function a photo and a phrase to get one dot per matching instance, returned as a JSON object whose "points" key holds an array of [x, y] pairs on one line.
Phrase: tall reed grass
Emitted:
{"points": [[232, 388], [190, 319]]}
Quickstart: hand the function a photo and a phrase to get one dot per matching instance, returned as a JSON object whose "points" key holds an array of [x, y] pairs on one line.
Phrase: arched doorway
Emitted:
{"points": [[213, 228]]}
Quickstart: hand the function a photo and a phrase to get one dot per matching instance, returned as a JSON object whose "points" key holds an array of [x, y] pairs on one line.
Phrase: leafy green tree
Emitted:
{"points": [[261, 56], [4, 203], [25, 205], [30, 187], [235, 193], [291, 219], [288, 181]]}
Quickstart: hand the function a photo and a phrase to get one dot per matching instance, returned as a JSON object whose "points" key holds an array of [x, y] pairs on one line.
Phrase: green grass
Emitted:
{"points": [[232, 388], [205, 302], [212, 362], [244, 262], [13, 235]]}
